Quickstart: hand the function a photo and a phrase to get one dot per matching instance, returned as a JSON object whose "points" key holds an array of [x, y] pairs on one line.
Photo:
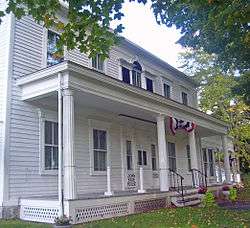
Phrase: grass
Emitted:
{"points": [[166, 218]]}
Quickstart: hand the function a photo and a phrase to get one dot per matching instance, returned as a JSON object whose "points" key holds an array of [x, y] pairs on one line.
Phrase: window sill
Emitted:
{"points": [[44, 172], [98, 173]]}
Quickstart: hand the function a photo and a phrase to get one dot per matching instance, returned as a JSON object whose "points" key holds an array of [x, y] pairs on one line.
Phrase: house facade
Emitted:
{"points": [[94, 139]]}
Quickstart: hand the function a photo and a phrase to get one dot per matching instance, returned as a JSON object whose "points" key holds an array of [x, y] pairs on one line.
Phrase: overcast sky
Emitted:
{"points": [[142, 29]]}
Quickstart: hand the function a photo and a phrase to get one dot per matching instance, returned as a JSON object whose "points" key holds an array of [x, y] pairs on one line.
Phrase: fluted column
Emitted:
{"points": [[226, 158], [163, 158], [193, 150], [68, 142]]}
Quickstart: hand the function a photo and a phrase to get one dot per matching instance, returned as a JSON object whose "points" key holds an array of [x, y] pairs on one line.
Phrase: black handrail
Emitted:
{"points": [[199, 178], [177, 183]]}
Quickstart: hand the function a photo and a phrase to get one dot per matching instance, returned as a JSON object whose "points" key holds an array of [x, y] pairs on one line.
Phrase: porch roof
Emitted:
{"points": [[44, 82]]}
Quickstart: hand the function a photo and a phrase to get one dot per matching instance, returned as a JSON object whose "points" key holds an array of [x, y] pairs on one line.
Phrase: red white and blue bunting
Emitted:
{"points": [[176, 124]]}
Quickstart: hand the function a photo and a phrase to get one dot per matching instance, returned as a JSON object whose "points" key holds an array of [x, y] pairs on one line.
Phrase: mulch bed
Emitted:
{"points": [[238, 205]]}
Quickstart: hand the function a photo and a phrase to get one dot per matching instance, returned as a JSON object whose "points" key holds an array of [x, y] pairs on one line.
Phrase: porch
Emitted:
{"points": [[132, 169]]}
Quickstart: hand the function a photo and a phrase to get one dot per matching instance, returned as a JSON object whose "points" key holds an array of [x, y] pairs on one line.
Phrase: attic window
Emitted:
{"points": [[136, 74]]}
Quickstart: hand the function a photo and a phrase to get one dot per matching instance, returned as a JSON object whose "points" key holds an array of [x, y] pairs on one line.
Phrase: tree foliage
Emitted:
{"points": [[217, 97], [219, 27]]}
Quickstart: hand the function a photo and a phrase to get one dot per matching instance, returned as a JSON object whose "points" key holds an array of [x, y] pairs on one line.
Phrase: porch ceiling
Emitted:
{"points": [[123, 112]]}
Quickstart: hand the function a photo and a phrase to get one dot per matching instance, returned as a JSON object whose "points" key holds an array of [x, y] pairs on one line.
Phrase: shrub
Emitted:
{"points": [[202, 190], [233, 194], [208, 200], [63, 220], [225, 188]]}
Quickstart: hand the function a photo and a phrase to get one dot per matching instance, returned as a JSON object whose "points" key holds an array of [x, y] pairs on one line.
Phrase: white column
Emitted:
{"points": [[226, 158], [163, 158], [108, 192], [68, 150], [193, 151], [219, 167], [141, 190]]}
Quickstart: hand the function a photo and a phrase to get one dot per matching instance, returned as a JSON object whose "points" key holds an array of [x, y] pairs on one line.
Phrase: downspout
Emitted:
{"points": [[60, 147]]}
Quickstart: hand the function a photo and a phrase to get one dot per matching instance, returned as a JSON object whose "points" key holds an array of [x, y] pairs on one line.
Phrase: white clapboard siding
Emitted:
{"points": [[24, 177]]}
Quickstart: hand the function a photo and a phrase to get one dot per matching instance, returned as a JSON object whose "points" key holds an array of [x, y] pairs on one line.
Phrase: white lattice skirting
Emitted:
{"points": [[42, 213], [100, 212]]}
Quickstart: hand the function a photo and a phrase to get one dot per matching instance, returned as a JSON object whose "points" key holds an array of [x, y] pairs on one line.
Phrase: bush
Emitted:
{"points": [[225, 188], [233, 194], [202, 190], [208, 200]]}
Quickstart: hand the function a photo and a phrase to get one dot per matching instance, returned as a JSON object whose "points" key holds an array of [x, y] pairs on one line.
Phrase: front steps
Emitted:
{"points": [[190, 198]]}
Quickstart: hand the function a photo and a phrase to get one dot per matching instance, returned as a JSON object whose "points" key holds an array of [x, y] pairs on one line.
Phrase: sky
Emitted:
{"points": [[142, 29]]}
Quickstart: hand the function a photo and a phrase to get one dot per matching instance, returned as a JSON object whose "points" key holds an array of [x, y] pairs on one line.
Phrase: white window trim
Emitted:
{"points": [[99, 125], [45, 46], [105, 66], [42, 118]]}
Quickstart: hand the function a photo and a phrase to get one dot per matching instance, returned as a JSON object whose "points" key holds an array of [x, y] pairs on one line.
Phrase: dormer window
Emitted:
{"points": [[98, 62], [184, 97], [136, 74], [54, 55]]}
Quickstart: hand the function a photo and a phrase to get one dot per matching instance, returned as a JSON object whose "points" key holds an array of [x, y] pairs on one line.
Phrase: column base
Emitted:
{"points": [[141, 191], [108, 193]]}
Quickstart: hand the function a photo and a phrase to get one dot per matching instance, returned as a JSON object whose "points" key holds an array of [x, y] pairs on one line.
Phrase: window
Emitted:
{"points": [[98, 62], [204, 152], [125, 75], [136, 74], [184, 98], [172, 156], [129, 155], [54, 55], [166, 90], [149, 84], [211, 162], [100, 149], [50, 145], [188, 157], [153, 156], [142, 157]]}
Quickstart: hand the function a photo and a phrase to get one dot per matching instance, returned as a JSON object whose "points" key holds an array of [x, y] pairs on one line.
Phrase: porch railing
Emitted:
{"points": [[176, 182], [199, 178]]}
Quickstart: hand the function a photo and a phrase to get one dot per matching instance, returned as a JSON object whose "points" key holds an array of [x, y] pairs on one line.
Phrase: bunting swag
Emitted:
{"points": [[176, 124]]}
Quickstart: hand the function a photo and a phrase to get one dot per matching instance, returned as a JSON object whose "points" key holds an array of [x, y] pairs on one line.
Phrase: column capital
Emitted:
{"points": [[68, 92], [160, 117]]}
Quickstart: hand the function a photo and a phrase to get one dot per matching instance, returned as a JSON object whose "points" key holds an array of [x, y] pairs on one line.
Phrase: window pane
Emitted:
{"points": [[204, 151], [188, 151], [149, 84], [95, 139], [54, 55], [134, 77], [129, 162], [55, 125], [99, 160], [94, 62], [48, 157], [129, 147], [166, 90], [184, 98], [153, 163], [144, 158], [100, 63], [153, 150], [55, 158], [210, 155], [125, 75], [138, 79], [211, 169], [171, 149], [139, 157], [103, 140], [48, 132]]}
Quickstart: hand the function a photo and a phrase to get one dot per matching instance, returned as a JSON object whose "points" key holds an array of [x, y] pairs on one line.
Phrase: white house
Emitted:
{"points": [[92, 138]]}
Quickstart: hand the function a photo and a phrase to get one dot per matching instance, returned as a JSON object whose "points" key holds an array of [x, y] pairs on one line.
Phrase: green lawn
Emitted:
{"points": [[180, 217]]}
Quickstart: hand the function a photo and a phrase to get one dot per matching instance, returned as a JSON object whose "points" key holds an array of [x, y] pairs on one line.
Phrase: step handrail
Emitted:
{"points": [[202, 178], [179, 188]]}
